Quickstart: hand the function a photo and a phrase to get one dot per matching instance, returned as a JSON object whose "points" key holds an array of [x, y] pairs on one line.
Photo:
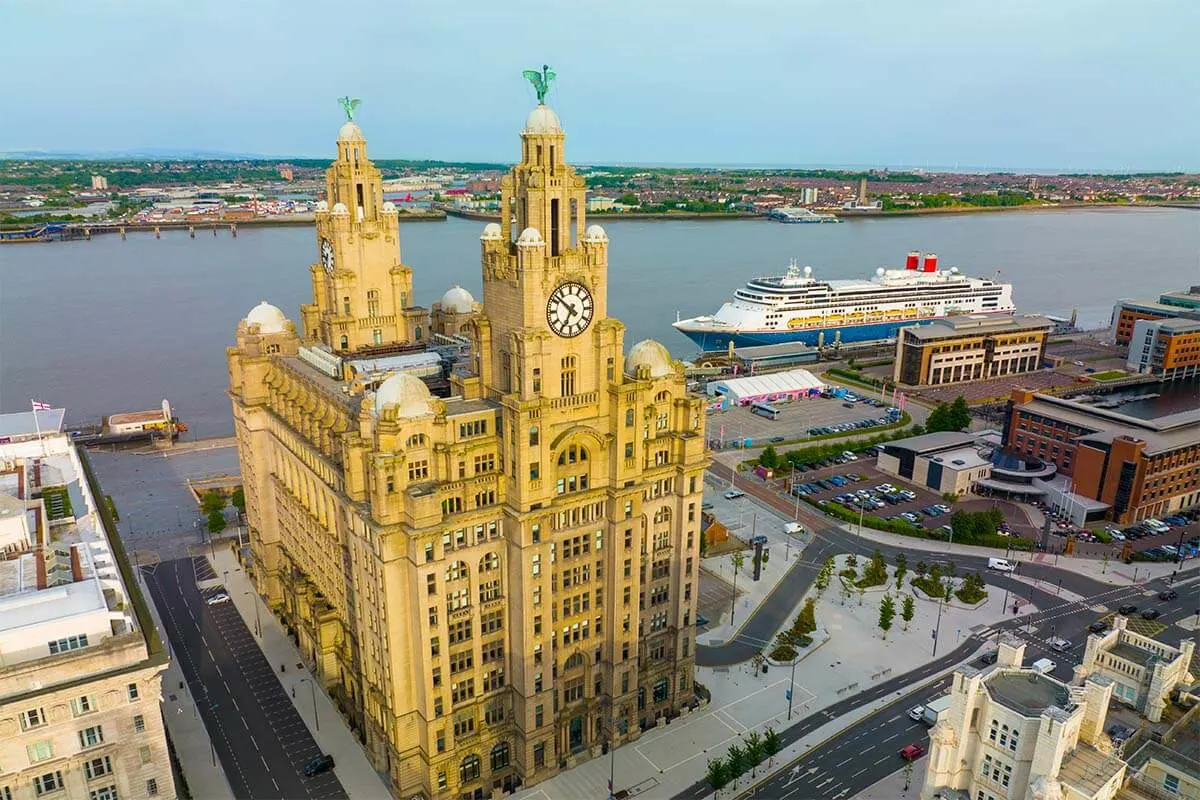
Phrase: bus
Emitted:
{"points": [[764, 410]]}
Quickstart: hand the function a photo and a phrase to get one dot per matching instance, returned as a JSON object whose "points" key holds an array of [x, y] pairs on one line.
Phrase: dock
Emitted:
{"points": [[158, 426]]}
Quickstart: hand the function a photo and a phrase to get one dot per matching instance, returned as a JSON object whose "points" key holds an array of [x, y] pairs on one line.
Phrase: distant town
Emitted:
{"points": [[38, 191]]}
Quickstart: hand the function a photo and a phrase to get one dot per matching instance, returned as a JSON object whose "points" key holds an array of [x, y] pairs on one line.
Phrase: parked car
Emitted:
{"points": [[322, 763], [846, 454], [218, 598], [1151, 613], [734, 494], [1127, 609], [912, 752], [1100, 626], [759, 539]]}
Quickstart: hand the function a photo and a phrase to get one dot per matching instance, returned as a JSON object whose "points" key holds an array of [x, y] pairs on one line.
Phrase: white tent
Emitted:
{"points": [[764, 388]]}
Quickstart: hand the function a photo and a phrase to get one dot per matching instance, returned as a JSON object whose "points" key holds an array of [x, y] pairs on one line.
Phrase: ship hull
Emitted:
{"points": [[709, 340]]}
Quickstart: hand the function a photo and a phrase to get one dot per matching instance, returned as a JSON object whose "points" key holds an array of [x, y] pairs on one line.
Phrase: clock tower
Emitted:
{"points": [[362, 293]]}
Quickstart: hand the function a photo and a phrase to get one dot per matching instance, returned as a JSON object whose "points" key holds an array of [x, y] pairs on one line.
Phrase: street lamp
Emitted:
{"points": [[737, 559], [257, 621], [312, 684], [792, 685]]}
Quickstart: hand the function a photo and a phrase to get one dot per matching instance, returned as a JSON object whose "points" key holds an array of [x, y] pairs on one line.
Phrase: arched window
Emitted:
{"points": [[416, 440], [572, 454], [489, 562], [662, 397], [373, 303], [534, 436], [663, 514], [272, 349], [574, 660], [468, 770], [457, 571], [629, 418], [499, 756], [345, 343], [568, 376]]}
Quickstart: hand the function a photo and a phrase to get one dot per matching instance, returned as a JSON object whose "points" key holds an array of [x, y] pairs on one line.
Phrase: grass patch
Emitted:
{"points": [[930, 585], [58, 502], [112, 507], [1108, 375]]}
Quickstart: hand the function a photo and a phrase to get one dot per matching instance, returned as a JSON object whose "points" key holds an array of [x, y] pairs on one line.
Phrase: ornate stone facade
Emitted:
{"points": [[497, 584]]}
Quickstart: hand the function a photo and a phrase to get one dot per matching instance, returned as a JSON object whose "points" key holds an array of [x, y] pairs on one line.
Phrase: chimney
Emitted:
{"points": [[40, 556], [76, 565], [931, 263], [913, 261]]}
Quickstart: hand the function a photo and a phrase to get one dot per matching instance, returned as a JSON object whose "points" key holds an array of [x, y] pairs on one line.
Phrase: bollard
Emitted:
{"points": [[122, 233], [157, 233], [233, 230], [192, 231]]}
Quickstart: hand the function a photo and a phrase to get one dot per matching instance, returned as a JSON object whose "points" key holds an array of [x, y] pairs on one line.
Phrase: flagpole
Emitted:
{"points": [[37, 426]]}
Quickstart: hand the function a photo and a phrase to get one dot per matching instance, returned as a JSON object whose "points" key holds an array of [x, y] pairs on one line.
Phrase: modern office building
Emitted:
{"points": [[1126, 313], [80, 663], [1167, 348], [496, 584], [1144, 671], [1013, 732], [943, 462], [971, 347], [1140, 468]]}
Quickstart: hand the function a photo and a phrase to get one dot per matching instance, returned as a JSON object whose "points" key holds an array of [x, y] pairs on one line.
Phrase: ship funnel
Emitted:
{"points": [[913, 261], [931, 263]]}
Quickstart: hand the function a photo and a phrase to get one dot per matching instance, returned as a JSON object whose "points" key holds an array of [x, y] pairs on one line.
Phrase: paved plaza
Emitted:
{"points": [[795, 418]]}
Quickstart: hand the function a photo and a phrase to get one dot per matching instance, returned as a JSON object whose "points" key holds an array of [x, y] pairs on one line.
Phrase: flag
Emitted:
{"points": [[40, 406]]}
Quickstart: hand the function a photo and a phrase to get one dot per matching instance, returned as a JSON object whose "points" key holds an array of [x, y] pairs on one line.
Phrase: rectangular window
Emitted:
{"points": [[151, 787], [147, 755], [90, 737], [139, 724], [47, 783], [1171, 783], [97, 767], [539, 755], [133, 692], [104, 793], [33, 718], [39, 751]]}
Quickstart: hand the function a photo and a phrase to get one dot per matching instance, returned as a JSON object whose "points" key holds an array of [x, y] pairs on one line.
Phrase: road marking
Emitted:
{"points": [[866, 750], [847, 761], [893, 736], [255, 743]]}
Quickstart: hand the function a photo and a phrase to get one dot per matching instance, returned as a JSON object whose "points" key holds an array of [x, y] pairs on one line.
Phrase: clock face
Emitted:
{"points": [[327, 255], [569, 310]]}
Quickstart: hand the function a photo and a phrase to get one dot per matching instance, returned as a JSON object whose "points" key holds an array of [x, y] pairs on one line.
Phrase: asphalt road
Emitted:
{"points": [[256, 732]]}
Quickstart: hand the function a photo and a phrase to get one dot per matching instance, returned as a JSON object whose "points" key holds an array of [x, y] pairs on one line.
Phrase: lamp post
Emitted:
{"points": [[312, 684], [792, 685], [257, 620], [737, 559]]}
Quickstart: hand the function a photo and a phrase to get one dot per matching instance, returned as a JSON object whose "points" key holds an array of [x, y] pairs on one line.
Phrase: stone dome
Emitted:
{"points": [[350, 132], [322, 205], [491, 232], [531, 237], [268, 318], [407, 394], [542, 120], [340, 208], [595, 233], [458, 300], [389, 207], [651, 354]]}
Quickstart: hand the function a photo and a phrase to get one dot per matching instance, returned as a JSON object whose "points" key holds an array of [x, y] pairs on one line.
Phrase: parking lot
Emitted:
{"points": [[795, 420]]}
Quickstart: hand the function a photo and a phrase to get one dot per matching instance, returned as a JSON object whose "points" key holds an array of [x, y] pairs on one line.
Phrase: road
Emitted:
{"points": [[256, 732]]}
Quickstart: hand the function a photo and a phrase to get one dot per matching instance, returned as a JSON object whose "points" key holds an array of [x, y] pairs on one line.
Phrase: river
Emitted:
{"points": [[108, 325]]}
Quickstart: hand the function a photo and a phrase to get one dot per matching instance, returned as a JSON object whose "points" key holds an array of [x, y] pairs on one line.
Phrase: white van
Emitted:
{"points": [[1044, 666], [1001, 565], [793, 529]]}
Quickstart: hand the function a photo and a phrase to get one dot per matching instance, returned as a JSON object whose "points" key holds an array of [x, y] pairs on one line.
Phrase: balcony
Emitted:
{"points": [[575, 400]]}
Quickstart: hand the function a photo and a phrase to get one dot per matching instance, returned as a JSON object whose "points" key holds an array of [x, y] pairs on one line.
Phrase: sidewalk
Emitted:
{"points": [[201, 768], [328, 729], [892, 787]]}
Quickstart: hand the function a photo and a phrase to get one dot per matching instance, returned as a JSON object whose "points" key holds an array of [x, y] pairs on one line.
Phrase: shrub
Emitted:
{"points": [[849, 574], [931, 585], [971, 591], [783, 651]]}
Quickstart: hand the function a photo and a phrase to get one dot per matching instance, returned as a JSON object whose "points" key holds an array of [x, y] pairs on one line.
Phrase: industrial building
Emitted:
{"points": [[969, 348], [1138, 468], [499, 583], [793, 384], [1166, 348], [80, 663], [1126, 313], [943, 462]]}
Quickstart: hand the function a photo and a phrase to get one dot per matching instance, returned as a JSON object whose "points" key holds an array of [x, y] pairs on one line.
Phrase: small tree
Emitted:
{"points": [[718, 774], [772, 744], [845, 592], [876, 572], [907, 610], [769, 458], [921, 569], [735, 761], [887, 613], [807, 621], [852, 561], [737, 559], [754, 749], [212, 501], [901, 568], [824, 575], [862, 593], [766, 556], [239, 500], [216, 521], [960, 414]]}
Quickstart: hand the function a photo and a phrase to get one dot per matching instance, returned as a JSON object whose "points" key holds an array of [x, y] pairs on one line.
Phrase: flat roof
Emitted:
{"points": [[1027, 691], [971, 324], [1131, 652], [933, 442], [1086, 769], [136, 416], [1160, 433], [774, 350], [1178, 324], [24, 423], [960, 458], [1158, 307]]}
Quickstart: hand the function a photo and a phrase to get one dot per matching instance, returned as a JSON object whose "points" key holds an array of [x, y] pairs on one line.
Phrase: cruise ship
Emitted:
{"points": [[797, 307]]}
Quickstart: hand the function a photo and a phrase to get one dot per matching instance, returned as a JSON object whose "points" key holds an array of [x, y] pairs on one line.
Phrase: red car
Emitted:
{"points": [[912, 752]]}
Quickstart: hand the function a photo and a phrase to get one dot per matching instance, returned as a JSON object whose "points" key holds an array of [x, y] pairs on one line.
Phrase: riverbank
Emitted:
{"points": [[298, 220]]}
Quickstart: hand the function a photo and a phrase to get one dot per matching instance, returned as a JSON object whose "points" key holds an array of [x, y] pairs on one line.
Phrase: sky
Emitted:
{"points": [[1019, 84]]}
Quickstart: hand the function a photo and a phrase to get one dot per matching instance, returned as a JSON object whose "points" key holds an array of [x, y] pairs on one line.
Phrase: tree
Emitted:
{"points": [[735, 761], [766, 556], [216, 521], [845, 592], [938, 419], [887, 613], [212, 501], [876, 571], [754, 749], [239, 500], [852, 561], [960, 414], [917, 430], [921, 569], [772, 744], [769, 458], [901, 568], [737, 559], [950, 497], [824, 576], [806, 622], [718, 774], [907, 610]]}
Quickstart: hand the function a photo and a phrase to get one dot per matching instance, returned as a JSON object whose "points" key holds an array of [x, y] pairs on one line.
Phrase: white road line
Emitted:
{"points": [[893, 736], [847, 761], [866, 750], [255, 743]]}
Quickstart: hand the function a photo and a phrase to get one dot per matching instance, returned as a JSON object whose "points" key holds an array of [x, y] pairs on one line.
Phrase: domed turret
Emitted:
{"points": [[340, 208], [652, 355], [389, 207], [406, 394], [542, 120], [268, 318], [530, 237], [350, 132], [491, 232], [458, 300], [322, 205], [595, 233]]}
